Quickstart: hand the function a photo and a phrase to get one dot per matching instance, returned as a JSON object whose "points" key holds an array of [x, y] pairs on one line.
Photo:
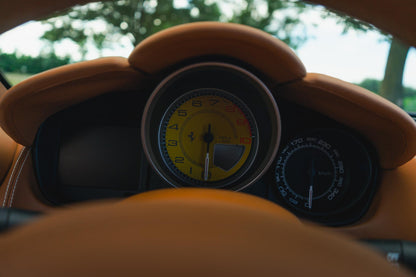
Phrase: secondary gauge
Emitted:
{"points": [[212, 125], [208, 136], [323, 175], [310, 173]]}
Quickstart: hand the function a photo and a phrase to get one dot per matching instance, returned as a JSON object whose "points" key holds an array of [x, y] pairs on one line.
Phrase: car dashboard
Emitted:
{"points": [[211, 105], [95, 150]]}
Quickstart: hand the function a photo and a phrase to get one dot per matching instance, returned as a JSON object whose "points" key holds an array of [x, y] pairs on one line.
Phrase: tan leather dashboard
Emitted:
{"points": [[184, 42], [57, 89], [360, 109], [389, 129]]}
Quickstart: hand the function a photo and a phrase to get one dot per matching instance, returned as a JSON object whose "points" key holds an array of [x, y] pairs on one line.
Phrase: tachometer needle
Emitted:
{"points": [[206, 169], [310, 197], [312, 173], [208, 138]]}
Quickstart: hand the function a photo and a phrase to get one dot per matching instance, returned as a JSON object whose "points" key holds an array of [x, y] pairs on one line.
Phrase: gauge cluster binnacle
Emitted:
{"points": [[211, 125]]}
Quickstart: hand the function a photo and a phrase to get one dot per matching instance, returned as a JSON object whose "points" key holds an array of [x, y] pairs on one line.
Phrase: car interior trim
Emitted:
{"points": [[3, 87], [8, 187], [20, 188], [180, 43], [7, 150], [184, 229], [198, 195], [400, 22], [388, 216], [171, 233], [388, 127], [16, 181], [18, 12], [21, 119], [75, 83]]}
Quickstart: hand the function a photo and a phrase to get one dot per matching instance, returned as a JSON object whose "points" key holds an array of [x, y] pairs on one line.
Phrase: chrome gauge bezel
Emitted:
{"points": [[236, 81]]}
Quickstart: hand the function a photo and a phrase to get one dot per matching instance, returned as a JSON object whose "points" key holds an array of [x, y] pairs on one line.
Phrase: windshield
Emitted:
{"points": [[326, 42]]}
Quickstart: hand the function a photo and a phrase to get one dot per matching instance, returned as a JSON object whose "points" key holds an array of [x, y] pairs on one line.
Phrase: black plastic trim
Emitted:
{"points": [[4, 81]]}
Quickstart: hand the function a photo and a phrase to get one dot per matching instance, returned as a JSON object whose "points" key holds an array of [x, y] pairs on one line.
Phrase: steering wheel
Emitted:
{"points": [[182, 232]]}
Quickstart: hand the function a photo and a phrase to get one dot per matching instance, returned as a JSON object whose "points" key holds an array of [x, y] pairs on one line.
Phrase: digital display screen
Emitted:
{"points": [[99, 157]]}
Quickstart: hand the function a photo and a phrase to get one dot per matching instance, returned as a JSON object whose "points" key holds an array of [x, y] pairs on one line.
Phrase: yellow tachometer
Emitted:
{"points": [[208, 136]]}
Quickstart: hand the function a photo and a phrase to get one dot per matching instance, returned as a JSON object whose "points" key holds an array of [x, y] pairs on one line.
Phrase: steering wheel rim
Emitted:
{"points": [[182, 232]]}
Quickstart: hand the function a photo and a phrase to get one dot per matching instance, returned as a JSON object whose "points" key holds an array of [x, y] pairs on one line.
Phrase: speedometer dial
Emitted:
{"points": [[324, 175], [208, 136], [310, 173]]}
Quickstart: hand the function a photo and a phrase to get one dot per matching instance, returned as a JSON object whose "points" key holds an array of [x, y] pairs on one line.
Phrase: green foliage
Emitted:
{"points": [[138, 19], [409, 104], [134, 19], [278, 17], [371, 84], [374, 86], [409, 93], [28, 64]]}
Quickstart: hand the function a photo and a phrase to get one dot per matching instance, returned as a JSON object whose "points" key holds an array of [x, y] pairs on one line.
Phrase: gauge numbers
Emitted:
{"points": [[207, 136], [310, 173]]}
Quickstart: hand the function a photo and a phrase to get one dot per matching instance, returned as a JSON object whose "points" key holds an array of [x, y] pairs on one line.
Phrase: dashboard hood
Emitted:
{"points": [[399, 22]]}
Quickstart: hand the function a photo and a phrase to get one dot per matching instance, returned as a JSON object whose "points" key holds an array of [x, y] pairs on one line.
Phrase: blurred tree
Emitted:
{"points": [[374, 86], [280, 18], [106, 23], [391, 86], [371, 84], [14, 62]]}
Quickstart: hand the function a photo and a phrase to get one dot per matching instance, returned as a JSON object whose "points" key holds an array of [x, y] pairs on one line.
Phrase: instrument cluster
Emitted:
{"points": [[211, 125]]}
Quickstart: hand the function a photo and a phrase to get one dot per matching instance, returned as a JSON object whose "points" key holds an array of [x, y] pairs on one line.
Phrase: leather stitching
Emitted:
{"points": [[17, 179], [11, 176]]}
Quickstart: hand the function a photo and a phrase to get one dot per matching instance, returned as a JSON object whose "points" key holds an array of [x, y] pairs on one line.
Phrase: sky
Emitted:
{"points": [[351, 57]]}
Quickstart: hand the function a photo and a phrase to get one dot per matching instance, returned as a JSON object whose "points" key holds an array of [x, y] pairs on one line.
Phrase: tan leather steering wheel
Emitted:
{"points": [[182, 232]]}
